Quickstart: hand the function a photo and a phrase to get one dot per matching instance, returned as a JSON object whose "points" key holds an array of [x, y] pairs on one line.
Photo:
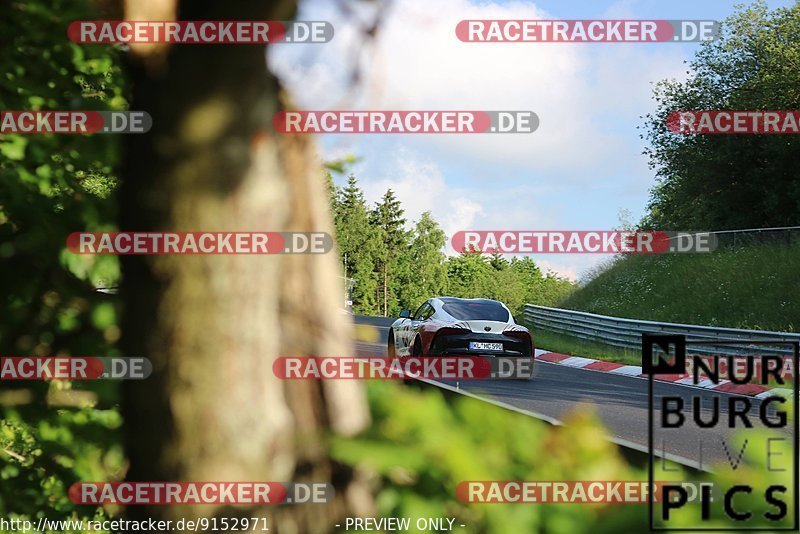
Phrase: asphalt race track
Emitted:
{"points": [[620, 401]]}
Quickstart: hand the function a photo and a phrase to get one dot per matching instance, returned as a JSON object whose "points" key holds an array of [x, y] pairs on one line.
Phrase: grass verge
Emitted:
{"points": [[553, 342], [755, 287]]}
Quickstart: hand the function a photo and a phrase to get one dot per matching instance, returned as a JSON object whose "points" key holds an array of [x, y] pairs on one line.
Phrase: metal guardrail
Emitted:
{"points": [[746, 237], [627, 333], [784, 235]]}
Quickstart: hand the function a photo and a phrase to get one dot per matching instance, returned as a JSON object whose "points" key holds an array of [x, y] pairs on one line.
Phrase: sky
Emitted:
{"points": [[577, 171]]}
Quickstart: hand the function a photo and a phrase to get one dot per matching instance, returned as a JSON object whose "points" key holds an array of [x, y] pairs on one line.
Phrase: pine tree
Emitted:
{"points": [[497, 261], [358, 245], [332, 190], [387, 218]]}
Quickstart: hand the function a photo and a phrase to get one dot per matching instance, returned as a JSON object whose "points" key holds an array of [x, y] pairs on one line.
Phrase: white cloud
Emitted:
{"points": [[418, 63], [420, 187]]}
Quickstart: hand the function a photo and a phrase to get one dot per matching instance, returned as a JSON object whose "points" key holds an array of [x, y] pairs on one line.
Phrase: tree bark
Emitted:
{"points": [[213, 325]]}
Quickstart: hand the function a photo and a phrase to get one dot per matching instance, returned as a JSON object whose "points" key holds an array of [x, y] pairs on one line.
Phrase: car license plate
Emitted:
{"points": [[478, 345]]}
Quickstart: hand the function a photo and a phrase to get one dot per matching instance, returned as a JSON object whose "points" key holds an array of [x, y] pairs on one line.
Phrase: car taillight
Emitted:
{"points": [[519, 334], [452, 330]]}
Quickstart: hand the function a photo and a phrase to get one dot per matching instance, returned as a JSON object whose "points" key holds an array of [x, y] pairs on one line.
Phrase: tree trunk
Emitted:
{"points": [[385, 290], [213, 325]]}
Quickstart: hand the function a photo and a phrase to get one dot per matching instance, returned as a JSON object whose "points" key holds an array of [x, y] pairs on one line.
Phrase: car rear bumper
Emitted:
{"points": [[458, 345]]}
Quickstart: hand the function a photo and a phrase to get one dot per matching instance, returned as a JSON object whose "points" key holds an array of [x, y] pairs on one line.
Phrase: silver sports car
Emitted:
{"points": [[445, 326]]}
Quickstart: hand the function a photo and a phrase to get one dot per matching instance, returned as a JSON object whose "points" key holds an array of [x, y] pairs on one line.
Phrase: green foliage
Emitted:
{"points": [[50, 186], [341, 165], [43, 455], [749, 287], [718, 182], [422, 268], [515, 283], [422, 446], [469, 275]]}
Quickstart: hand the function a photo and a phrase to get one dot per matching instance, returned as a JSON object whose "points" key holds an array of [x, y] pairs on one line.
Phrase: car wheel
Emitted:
{"points": [[390, 350], [416, 352], [416, 348]]}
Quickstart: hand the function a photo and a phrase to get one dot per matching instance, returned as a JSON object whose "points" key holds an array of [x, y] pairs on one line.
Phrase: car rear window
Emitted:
{"points": [[476, 311]]}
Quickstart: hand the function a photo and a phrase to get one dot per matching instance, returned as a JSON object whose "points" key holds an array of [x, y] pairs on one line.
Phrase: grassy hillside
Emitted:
{"points": [[756, 287]]}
